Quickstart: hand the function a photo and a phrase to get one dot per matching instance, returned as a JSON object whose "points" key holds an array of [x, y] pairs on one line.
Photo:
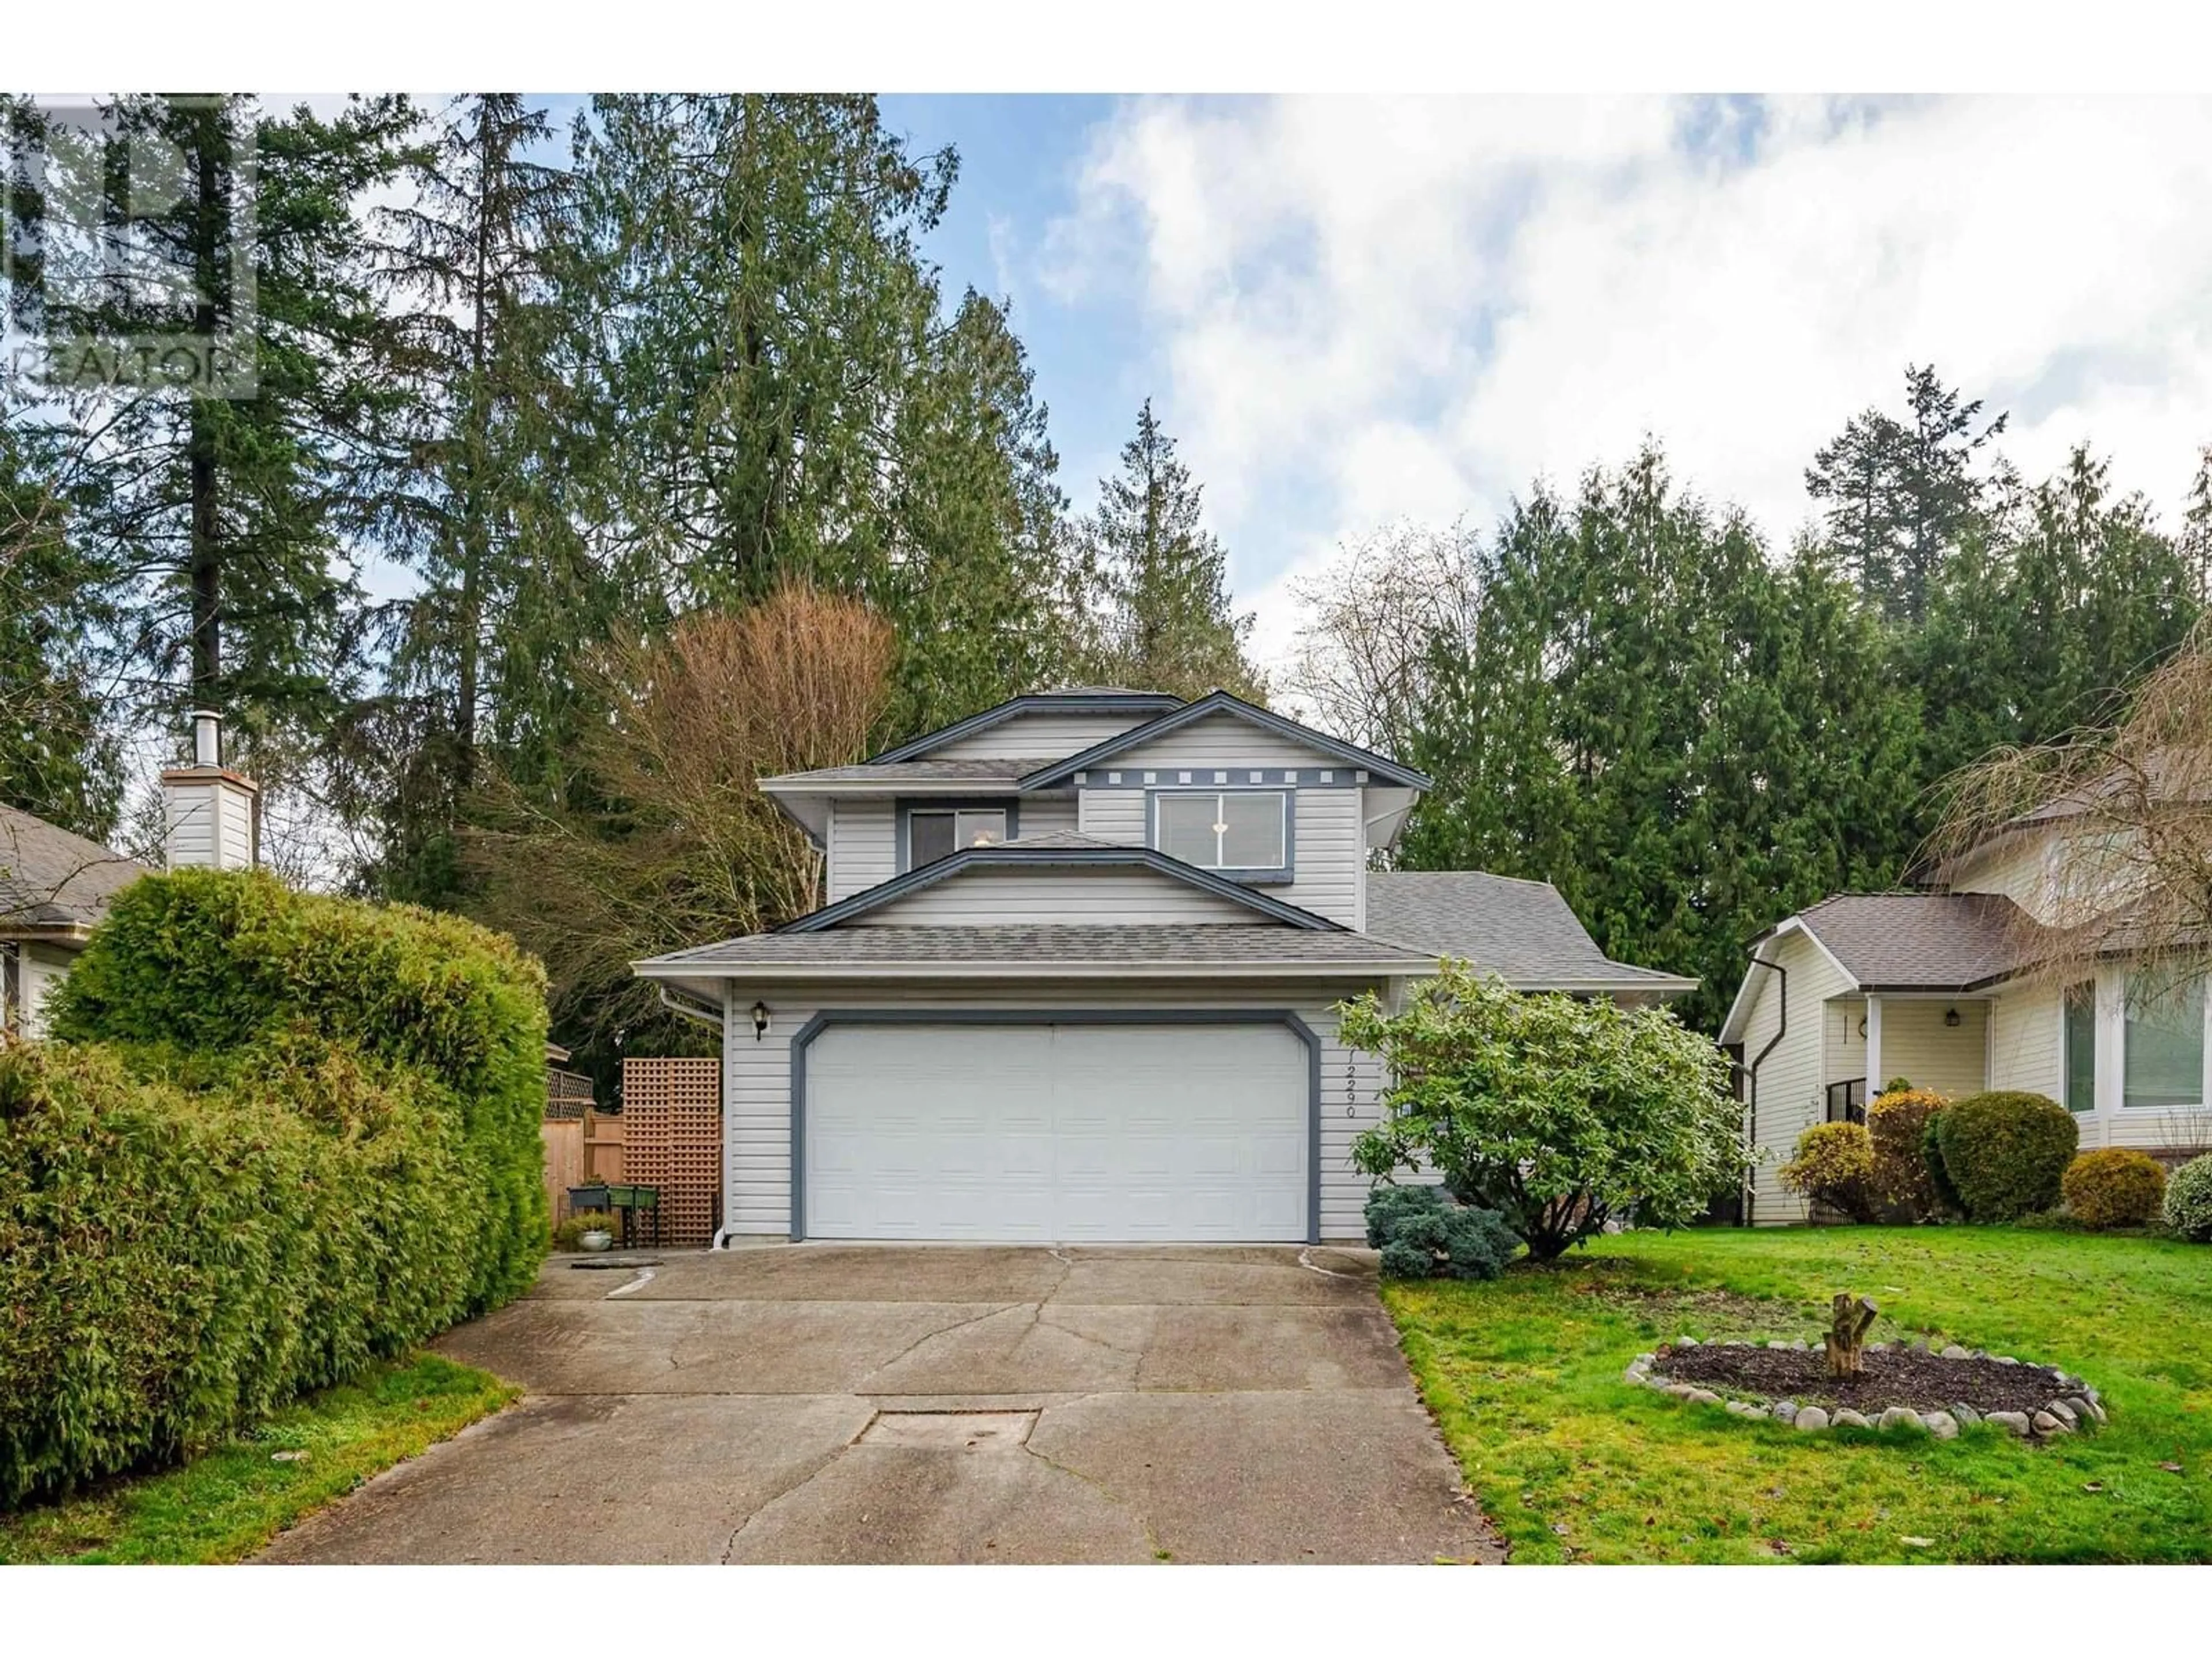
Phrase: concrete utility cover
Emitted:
{"points": [[950, 1431]]}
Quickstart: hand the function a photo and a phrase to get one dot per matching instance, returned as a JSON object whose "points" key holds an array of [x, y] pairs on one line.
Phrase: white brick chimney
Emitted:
{"points": [[211, 819]]}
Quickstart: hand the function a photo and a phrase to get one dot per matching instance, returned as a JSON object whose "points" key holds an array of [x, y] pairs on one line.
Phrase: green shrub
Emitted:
{"points": [[1560, 1114], [569, 1235], [2188, 1209], [2005, 1151], [282, 1136], [1896, 1123], [197, 964], [175, 1263], [1423, 1233], [1834, 1165], [2117, 1187]]}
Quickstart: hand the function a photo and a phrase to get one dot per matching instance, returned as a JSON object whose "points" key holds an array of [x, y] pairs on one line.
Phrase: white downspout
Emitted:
{"points": [[1874, 1077]]}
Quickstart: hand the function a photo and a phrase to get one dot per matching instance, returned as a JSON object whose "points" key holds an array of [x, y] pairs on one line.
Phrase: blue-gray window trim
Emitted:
{"points": [[968, 858], [909, 805], [803, 1039], [1260, 876]]}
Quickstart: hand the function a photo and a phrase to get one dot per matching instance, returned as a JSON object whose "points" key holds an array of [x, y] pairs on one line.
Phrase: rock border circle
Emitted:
{"points": [[2077, 1409]]}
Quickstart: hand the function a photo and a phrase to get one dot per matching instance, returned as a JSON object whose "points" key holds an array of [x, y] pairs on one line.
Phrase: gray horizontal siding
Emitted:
{"points": [[1039, 737]]}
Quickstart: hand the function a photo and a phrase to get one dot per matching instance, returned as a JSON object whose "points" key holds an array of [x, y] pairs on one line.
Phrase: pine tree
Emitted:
{"points": [[1163, 614], [1900, 494]]}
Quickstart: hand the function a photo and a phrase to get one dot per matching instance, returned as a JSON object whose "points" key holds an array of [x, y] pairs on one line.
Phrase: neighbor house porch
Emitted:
{"points": [[1934, 1042]]}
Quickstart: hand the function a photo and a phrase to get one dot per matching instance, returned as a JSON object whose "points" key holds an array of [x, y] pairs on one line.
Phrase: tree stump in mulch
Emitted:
{"points": [[1847, 1337]]}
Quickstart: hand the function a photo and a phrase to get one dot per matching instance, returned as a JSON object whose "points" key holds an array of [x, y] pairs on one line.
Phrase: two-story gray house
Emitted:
{"points": [[1076, 978]]}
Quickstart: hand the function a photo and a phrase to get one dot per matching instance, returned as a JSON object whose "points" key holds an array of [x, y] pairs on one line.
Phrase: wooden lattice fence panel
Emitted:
{"points": [[672, 1139]]}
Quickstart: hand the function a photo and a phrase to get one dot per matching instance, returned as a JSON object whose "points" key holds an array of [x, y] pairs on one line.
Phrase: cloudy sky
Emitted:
{"points": [[1352, 311]]}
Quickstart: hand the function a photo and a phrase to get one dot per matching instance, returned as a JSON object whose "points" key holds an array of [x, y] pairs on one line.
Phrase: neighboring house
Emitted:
{"points": [[1933, 987], [55, 886], [1076, 979]]}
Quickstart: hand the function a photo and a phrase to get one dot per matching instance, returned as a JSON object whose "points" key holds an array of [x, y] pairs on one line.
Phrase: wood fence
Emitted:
{"points": [[579, 1151]]}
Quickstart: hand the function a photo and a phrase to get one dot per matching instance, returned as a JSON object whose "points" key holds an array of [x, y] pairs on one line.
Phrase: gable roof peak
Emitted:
{"points": [[1228, 704]]}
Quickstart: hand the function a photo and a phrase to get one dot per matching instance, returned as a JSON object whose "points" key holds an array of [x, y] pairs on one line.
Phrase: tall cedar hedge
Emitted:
{"points": [[278, 1136]]}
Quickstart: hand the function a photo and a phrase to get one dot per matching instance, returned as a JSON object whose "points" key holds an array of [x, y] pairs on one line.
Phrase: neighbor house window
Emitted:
{"points": [[2162, 1043], [933, 833], [1245, 830], [2081, 1047]]}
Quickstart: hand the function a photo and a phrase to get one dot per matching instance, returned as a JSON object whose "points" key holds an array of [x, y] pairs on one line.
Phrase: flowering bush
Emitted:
{"points": [[1559, 1113], [2188, 1208]]}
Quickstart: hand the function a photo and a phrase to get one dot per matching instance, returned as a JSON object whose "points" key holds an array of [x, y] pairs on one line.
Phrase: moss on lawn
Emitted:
{"points": [[228, 1503], [1574, 1463]]}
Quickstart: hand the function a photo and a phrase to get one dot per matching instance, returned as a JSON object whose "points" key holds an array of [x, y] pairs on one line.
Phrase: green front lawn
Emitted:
{"points": [[226, 1504], [1574, 1463]]}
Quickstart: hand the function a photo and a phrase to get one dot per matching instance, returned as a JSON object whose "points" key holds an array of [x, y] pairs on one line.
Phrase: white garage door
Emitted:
{"points": [[1117, 1134]]}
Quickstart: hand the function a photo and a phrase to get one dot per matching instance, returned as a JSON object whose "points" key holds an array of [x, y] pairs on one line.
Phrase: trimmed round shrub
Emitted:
{"points": [[2117, 1186], [1834, 1165], [2005, 1151], [1896, 1123], [2188, 1209], [1423, 1233]]}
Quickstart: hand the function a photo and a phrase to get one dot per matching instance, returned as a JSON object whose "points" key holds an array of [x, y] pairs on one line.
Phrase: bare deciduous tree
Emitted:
{"points": [[1358, 663], [683, 847], [2132, 807]]}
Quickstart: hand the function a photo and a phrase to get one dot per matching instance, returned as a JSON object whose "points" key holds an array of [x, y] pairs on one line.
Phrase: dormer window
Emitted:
{"points": [[934, 833], [1231, 830]]}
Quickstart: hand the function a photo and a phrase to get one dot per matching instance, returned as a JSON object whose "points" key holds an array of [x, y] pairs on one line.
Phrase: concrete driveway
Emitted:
{"points": [[886, 1404]]}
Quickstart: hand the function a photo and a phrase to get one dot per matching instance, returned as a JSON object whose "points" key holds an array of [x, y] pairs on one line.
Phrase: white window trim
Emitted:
{"points": [[1283, 801], [2111, 1050]]}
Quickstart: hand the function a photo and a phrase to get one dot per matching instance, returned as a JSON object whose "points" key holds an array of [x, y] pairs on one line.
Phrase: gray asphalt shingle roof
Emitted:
{"points": [[1919, 941], [1023, 949], [1523, 930], [51, 878]]}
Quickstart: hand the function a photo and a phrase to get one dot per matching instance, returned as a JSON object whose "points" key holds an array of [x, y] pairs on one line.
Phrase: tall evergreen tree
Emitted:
{"points": [[57, 757], [1162, 617], [2044, 617], [1654, 717], [468, 267], [774, 392], [1901, 494], [228, 525]]}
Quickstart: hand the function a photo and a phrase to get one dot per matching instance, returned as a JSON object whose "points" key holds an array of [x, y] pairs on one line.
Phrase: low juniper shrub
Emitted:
{"points": [[1423, 1233]]}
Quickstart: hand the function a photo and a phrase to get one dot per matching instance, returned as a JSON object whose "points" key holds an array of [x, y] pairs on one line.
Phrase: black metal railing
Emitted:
{"points": [[1847, 1100]]}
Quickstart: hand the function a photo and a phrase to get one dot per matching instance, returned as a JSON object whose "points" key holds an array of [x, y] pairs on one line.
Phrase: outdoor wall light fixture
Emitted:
{"points": [[1951, 1017], [759, 1021]]}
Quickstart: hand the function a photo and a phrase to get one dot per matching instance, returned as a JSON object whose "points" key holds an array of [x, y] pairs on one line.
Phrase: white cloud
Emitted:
{"points": [[1365, 310]]}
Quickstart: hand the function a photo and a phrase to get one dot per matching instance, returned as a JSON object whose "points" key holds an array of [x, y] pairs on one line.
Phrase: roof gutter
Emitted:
{"points": [[690, 1008], [1031, 969], [1750, 1076]]}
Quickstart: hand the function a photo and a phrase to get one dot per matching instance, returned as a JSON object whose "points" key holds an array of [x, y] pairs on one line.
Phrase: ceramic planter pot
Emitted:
{"points": [[597, 1239]]}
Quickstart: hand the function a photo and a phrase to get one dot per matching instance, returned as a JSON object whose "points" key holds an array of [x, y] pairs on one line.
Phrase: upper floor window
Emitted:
{"points": [[933, 833], [1224, 830]]}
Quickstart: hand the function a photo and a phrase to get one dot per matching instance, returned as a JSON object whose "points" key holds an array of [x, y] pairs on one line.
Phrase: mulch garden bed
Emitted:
{"points": [[1893, 1376]]}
